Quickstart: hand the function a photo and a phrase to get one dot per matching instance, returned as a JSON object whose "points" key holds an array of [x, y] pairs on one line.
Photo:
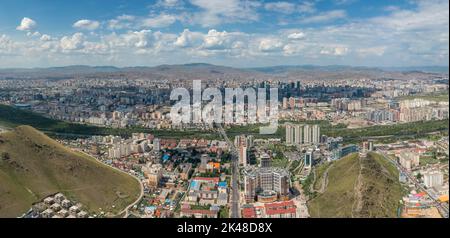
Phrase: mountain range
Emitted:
{"points": [[195, 69]]}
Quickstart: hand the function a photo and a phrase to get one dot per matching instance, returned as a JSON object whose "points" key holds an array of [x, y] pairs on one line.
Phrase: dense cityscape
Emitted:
{"points": [[190, 175], [224, 109]]}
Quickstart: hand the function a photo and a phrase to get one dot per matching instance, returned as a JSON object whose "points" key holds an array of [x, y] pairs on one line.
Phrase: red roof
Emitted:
{"points": [[198, 211], [280, 208], [214, 179], [249, 212]]}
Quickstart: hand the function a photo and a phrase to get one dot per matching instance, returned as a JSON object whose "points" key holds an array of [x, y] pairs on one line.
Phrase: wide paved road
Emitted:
{"points": [[234, 175], [442, 208]]}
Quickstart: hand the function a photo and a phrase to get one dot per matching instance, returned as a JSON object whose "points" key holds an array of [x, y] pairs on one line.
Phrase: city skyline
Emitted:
{"points": [[224, 109], [231, 33]]}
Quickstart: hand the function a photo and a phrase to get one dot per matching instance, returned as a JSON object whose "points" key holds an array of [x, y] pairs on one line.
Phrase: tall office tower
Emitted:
{"points": [[308, 159], [315, 134], [243, 155], [307, 134], [250, 186], [280, 183], [265, 161], [298, 134], [289, 134]]}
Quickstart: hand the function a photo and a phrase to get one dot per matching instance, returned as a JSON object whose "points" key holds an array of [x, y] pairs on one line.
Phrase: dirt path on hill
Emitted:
{"points": [[325, 180], [358, 202]]}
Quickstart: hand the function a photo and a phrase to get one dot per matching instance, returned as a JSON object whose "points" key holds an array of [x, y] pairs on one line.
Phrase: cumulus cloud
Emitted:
{"points": [[45, 37], [87, 25], [188, 39], [296, 36], [138, 39], [121, 22], [216, 40], [27, 24], [33, 34], [74, 42], [410, 36], [270, 44], [160, 21]]}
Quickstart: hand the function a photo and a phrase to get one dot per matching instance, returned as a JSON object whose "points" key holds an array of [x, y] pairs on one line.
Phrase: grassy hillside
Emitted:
{"points": [[33, 166], [12, 117], [366, 187]]}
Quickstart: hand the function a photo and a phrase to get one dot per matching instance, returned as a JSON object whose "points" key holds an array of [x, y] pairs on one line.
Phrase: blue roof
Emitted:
{"points": [[150, 208], [195, 185], [222, 184], [166, 157]]}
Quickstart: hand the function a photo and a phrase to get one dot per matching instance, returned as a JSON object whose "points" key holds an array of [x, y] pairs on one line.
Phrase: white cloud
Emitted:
{"points": [[325, 17], [33, 34], [138, 39], [169, 3], [290, 7], [335, 51], [306, 7], [270, 45], [188, 39], [74, 42], [160, 21], [45, 37], [121, 22], [296, 36], [216, 40], [87, 25], [216, 12], [6, 45], [283, 7], [429, 15], [416, 36], [27, 24]]}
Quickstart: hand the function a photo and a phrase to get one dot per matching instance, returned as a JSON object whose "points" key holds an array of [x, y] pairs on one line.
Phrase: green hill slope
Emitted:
{"points": [[33, 166], [358, 187]]}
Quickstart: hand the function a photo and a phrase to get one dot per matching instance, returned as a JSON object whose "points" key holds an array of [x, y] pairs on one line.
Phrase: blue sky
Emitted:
{"points": [[244, 33]]}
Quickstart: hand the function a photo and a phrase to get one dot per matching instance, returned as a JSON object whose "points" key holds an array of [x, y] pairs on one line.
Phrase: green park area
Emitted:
{"points": [[12, 117], [436, 96]]}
